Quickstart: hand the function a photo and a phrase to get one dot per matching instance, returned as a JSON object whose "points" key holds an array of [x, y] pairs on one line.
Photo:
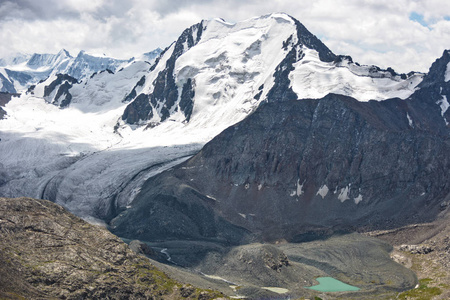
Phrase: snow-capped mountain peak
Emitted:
{"points": [[22, 71], [229, 68], [49, 61], [14, 59]]}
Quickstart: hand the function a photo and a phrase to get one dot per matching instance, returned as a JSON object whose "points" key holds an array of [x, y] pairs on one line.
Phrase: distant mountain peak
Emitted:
{"points": [[64, 52]]}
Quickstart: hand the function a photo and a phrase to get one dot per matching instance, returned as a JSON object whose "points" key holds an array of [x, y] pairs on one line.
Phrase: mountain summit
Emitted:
{"points": [[233, 67]]}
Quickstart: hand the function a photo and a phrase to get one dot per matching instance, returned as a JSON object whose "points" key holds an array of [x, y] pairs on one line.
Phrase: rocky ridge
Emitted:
{"points": [[5, 98], [48, 253]]}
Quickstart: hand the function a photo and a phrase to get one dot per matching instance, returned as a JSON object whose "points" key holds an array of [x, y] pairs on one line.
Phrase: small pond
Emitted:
{"points": [[329, 284]]}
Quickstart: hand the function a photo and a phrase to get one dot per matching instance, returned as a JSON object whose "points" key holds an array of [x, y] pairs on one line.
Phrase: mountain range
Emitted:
{"points": [[19, 72], [235, 133]]}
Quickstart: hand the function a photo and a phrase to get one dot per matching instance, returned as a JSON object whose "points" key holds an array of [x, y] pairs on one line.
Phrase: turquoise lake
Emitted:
{"points": [[329, 284]]}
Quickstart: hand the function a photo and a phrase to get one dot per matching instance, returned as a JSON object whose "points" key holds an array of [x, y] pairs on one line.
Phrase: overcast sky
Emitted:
{"points": [[404, 34]]}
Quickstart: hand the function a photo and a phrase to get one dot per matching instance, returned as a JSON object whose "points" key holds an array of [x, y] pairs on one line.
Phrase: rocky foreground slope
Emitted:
{"points": [[48, 253], [425, 249]]}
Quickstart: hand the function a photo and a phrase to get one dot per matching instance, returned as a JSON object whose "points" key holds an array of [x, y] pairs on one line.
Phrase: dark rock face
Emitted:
{"points": [[133, 92], [2, 113], [5, 98], [165, 93], [60, 78], [312, 42], [64, 83], [294, 167], [21, 77], [63, 90], [436, 75], [176, 212], [139, 109], [281, 90], [186, 100], [47, 253], [7, 85]]}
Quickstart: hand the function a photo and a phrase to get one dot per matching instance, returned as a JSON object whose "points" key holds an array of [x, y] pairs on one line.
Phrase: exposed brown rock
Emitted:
{"points": [[46, 253]]}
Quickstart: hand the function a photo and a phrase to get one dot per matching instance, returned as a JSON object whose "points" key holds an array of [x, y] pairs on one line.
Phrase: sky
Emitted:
{"points": [[407, 35]]}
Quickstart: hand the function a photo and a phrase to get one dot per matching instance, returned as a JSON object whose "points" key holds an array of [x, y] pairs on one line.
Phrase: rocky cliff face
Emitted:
{"points": [[5, 98], [311, 165], [48, 253]]}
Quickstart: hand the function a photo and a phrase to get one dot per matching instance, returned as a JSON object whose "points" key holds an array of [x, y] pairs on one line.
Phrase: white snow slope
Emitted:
{"points": [[26, 70], [80, 158]]}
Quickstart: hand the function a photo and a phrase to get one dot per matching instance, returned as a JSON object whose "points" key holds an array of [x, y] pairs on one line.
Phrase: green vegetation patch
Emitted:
{"points": [[423, 292]]}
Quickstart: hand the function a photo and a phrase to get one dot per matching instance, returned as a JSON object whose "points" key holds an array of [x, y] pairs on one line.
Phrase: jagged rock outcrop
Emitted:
{"points": [[165, 91], [57, 92], [48, 253], [5, 98]]}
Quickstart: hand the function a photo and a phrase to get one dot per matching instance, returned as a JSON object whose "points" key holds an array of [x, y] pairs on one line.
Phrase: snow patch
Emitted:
{"points": [[409, 120], [323, 191], [344, 194], [358, 199], [218, 278], [299, 188], [166, 253], [447, 73], [443, 103], [277, 290], [231, 62], [211, 197]]}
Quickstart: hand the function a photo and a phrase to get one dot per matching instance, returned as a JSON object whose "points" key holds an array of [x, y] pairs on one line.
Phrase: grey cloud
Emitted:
{"points": [[116, 8], [54, 9], [168, 7], [35, 10]]}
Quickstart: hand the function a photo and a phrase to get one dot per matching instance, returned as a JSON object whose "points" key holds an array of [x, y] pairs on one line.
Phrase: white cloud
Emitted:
{"points": [[372, 31]]}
